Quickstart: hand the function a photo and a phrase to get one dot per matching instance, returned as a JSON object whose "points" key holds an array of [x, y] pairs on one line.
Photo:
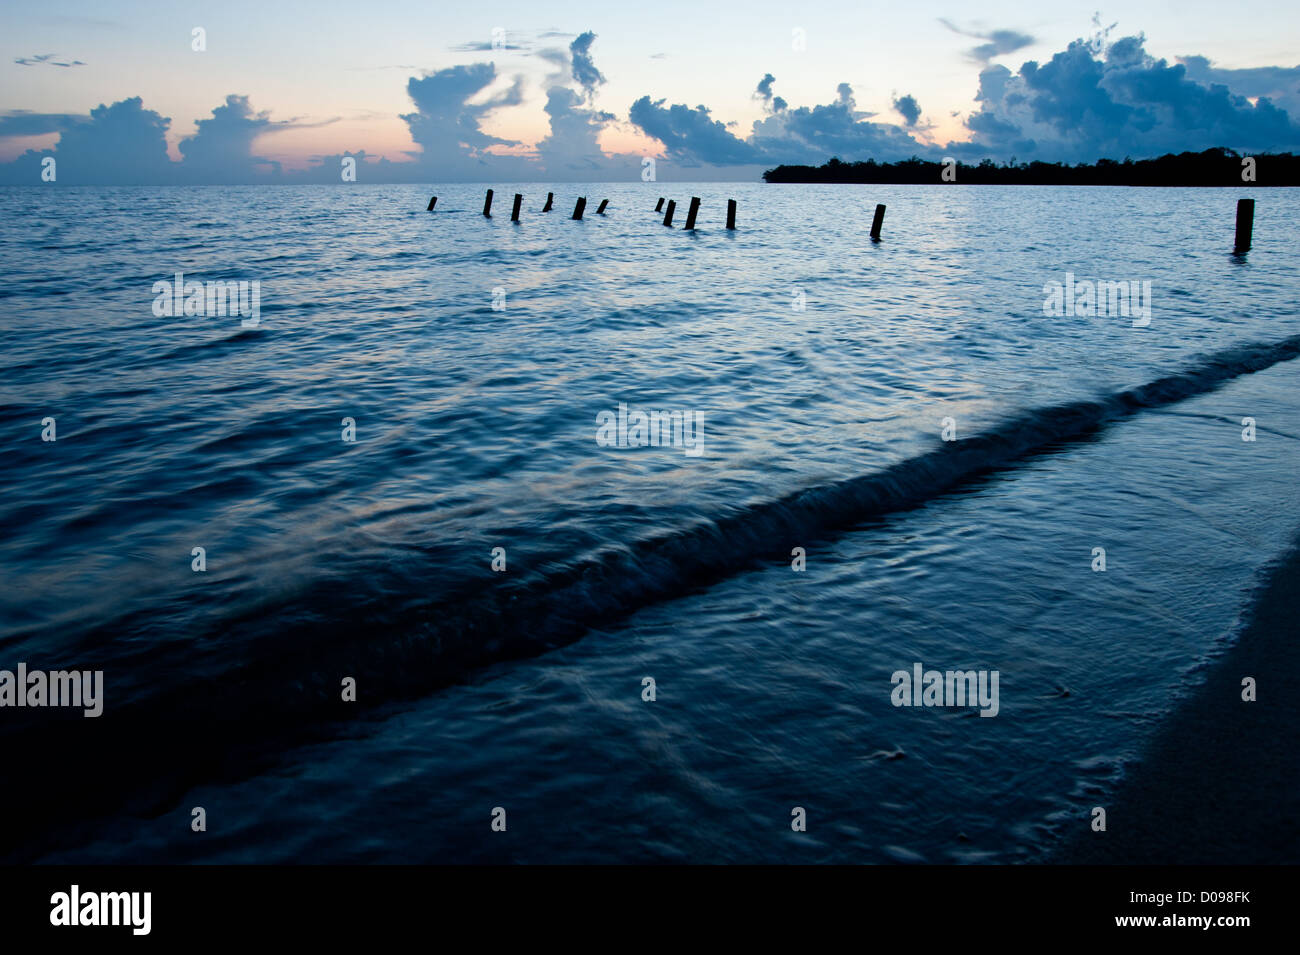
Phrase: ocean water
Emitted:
{"points": [[474, 359]]}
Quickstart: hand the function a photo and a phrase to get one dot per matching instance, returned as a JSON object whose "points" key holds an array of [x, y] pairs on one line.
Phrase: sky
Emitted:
{"points": [[584, 90]]}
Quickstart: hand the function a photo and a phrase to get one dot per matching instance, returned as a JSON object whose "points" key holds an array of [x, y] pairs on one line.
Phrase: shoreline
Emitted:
{"points": [[1220, 782]]}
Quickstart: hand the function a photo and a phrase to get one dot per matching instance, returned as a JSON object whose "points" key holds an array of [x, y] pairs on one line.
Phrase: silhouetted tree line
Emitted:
{"points": [[1213, 167]]}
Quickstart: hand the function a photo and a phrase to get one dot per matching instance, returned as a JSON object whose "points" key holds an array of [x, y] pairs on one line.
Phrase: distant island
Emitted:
{"points": [[1213, 167]]}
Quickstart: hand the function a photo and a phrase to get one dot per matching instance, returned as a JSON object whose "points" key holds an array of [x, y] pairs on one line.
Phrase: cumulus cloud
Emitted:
{"points": [[1092, 101], [445, 125], [571, 147], [584, 68], [815, 134], [222, 149], [908, 108], [690, 135], [571, 144], [784, 135], [764, 93], [125, 144], [1095, 99], [1280, 84], [119, 144]]}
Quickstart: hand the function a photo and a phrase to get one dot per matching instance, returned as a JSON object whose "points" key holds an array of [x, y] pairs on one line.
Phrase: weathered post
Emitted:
{"points": [[668, 216], [432, 202], [877, 222], [692, 211], [550, 197], [514, 213], [659, 206], [487, 204], [1245, 225], [603, 203], [577, 209], [731, 213]]}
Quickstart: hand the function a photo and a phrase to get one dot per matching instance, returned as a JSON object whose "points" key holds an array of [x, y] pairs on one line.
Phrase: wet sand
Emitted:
{"points": [[1220, 784]]}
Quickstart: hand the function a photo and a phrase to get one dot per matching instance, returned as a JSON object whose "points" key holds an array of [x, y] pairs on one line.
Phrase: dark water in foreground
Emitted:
{"points": [[476, 429]]}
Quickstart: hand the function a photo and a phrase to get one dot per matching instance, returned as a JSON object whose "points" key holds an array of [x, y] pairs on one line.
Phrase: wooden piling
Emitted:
{"points": [[731, 213], [577, 209], [692, 212], [1245, 225], [432, 202], [550, 197], [668, 216], [659, 206], [603, 204], [487, 204], [877, 222], [514, 213]]}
